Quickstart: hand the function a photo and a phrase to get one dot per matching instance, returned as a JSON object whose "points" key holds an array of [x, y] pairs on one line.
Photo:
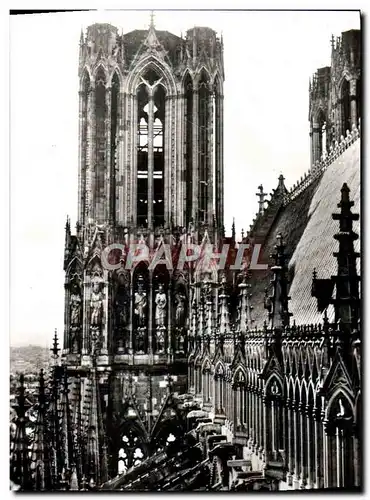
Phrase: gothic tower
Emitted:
{"points": [[150, 172], [335, 95]]}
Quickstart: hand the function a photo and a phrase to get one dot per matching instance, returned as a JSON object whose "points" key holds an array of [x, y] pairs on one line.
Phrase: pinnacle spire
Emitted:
{"points": [[277, 303], [151, 25], [55, 349], [346, 302]]}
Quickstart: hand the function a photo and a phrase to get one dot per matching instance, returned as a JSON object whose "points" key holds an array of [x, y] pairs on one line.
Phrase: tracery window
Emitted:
{"points": [[131, 452], [204, 174], [189, 146], [151, 98], [100, 138], [113, 141]]}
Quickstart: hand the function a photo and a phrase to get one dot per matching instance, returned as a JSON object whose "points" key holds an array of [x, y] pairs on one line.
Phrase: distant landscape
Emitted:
{"points": [[28, 359]]}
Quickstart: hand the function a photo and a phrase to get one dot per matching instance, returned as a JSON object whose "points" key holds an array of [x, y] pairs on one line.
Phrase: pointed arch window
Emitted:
{"points": [[203, 146], [142, 156], [115, 105], [85, 102], [131, 452], [340, 436], [322, 134], [346, 107], [239, 399], [151, 99], [101, 141], [188, 89], [158, 153]]}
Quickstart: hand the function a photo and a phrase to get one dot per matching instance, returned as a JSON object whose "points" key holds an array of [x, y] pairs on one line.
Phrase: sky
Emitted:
{"points": [[268, 56]]}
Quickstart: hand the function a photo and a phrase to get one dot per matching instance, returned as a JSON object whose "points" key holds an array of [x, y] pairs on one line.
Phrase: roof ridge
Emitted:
{"points": [[321, 165]]}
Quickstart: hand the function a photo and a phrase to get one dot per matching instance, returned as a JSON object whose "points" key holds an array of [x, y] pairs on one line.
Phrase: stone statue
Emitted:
{"points": [[141, 303], [75, 308], [121, 307], [160, 310], [96, 304], [180, 309]]}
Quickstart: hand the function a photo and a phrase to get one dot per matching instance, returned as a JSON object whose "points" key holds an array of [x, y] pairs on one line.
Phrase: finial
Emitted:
{"points": [[151, 25], [261, 199], [55, 349], [332, 41], [281, 186], [233, 229]]}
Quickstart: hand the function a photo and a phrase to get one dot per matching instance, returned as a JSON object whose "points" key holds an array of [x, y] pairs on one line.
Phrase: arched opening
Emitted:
{"points": [[101, 144], [274, 414], [151, 101], [239, 400], [322, 146], [198, 376], [346, 107], [206, 371], [115, 106], [217, 150], [188, 90], [297, 431], [340, 452], [132, 450], [85, 138], [158, 146], [311, 469], [142, 155], [203, 146], [219, 389], [303, 434]]}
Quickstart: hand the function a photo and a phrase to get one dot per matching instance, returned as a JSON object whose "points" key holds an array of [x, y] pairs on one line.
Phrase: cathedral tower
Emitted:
{"points": [[151, 141], [150, 172], [335, 95]]}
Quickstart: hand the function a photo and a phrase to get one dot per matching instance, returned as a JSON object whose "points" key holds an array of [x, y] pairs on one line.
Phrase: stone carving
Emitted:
{"points": [[160, 340], [161, 303], [96, 304], [75, 307], [141, 303], [75, 310], [180, 309]]}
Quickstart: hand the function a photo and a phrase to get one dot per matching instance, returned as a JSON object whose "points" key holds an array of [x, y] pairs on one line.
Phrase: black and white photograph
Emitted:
{"points": [[185, 250]]}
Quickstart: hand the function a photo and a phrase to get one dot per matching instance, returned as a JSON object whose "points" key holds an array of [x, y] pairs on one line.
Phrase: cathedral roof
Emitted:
{"points": [[308, 231]]}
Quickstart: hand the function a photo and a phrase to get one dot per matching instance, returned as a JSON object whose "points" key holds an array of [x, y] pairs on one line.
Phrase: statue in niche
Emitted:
{"points": [[96, 304], [160, 311], [75, 304], [141, 303], [180, 340], [140, 340], [75, 309], [160, 340], [121, 307], [180, 309]]}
